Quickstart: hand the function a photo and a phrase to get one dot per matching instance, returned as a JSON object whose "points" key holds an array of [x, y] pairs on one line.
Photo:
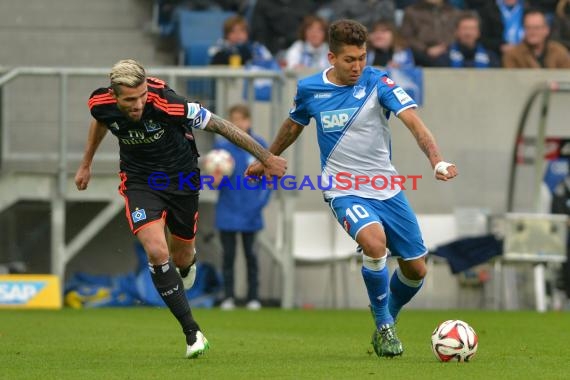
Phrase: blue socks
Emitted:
{"points": [[402, 290], [376, 278]]}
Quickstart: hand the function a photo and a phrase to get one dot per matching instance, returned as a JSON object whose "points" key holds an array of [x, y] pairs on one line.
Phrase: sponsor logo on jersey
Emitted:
{"points": [[402, 95], [322, 95], [359, 92], [138, 215], [151, 125], [333, 121], [138, 137], [388, 82]]}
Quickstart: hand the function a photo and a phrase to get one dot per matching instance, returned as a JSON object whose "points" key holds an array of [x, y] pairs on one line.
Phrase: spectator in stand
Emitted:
{"points": [[236, 49], [467, 51], [311, 49], [364, 11], [502, 24], [561, 23], [548, 7], [536, 50], [387, 48], [275, 22], [428, 25]]}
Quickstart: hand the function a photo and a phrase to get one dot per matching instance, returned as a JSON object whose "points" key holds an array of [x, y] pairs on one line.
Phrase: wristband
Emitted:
{"points": [[441, 168]]}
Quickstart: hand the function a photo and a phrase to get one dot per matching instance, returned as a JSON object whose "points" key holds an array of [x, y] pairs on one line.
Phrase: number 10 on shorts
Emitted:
{"points": [[357, 212]]}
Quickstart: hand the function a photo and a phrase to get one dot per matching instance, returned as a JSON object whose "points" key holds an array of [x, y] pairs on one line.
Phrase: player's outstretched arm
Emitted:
{"points": [[288, 133], [97, 132], [442, 170], [272, 165]]}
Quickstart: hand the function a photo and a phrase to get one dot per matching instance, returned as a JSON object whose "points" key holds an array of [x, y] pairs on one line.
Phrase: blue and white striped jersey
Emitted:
{"points": [[352, 127]]}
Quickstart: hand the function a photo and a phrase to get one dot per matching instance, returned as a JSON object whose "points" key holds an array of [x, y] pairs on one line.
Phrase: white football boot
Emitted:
{"points": [[199, 347]]}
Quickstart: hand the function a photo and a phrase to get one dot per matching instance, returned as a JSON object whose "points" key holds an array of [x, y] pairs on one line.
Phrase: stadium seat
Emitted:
{"points": [[319, 240], [197, 32], [437, 229]]}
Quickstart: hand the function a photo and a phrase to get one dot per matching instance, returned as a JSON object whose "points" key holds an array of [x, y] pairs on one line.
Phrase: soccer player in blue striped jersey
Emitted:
{"points": [[351, 104]]}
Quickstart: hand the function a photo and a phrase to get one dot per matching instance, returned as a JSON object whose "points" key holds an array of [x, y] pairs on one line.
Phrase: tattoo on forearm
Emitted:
{"points": [[288, 133], [427, 144], [237, 136]]}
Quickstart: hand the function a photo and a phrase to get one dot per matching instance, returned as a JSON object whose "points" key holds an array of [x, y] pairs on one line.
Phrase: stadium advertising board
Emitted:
{"points": [[30, 292]]}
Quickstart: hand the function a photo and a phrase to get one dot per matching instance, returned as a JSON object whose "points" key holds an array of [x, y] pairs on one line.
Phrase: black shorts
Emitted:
{"points": [[144, 206]]}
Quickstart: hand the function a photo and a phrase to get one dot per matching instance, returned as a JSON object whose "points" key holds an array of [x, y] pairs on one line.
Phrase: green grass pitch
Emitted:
{"points": [[146, 343]]}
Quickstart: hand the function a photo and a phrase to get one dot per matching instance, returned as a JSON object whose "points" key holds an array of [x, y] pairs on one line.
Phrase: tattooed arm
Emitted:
{"points": [[288, 133], [427, 143], [273, 165], [237, 136]]}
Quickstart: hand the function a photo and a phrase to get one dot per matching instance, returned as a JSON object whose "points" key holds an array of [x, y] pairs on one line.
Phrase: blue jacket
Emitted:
{"points": [[240, 209]]}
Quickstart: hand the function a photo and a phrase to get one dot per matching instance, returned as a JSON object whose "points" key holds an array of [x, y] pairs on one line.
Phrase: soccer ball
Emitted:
{"points": [[219, 161], [454, 339]]}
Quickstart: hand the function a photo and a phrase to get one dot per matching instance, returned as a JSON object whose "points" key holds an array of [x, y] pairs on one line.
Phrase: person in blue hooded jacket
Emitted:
{"points": [[239, 211]]}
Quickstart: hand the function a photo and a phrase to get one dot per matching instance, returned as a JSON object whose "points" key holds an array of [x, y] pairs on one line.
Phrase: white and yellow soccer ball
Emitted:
{"points": [[218, 161], [454, 340]]}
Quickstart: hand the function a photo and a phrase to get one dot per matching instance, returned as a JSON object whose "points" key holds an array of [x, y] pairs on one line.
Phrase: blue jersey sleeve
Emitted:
{"points": [[300, 112], [393, 97]]}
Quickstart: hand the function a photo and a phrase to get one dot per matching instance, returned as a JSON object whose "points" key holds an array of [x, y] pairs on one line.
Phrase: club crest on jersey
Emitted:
{"points": [[359, 92], [333, 121], [114, 126], [388, 82], [138, 215], [151, 126]]}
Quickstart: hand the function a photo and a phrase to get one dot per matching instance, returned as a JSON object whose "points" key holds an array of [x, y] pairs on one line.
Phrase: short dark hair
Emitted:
{"points": [[346, 32]]}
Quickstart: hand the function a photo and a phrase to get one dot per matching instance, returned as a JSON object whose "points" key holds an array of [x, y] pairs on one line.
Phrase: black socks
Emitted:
{"points": [[170, 287]]}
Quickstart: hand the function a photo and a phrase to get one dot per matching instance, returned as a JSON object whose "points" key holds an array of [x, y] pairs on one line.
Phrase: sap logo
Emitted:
{"points": [[20, 292], [333, 121]]}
